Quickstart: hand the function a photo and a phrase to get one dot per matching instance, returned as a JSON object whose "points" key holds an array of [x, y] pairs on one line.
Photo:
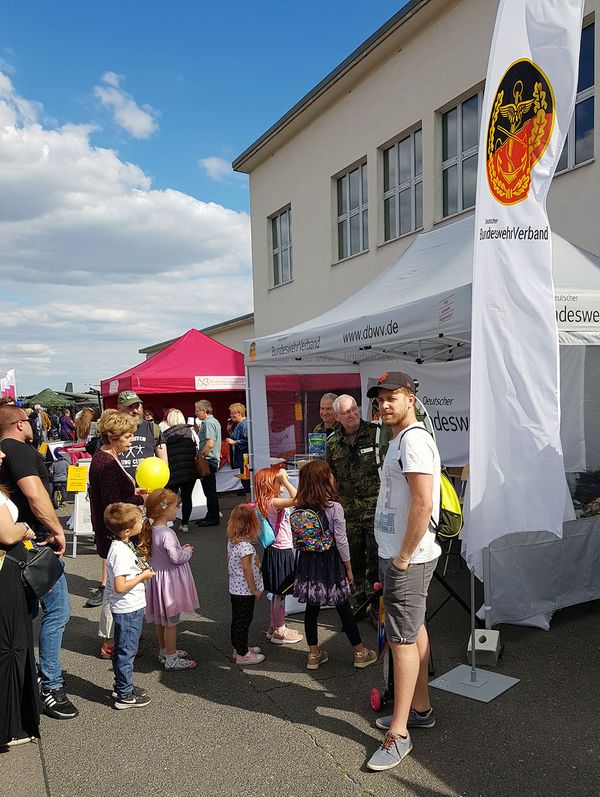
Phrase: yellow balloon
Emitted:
{"points": [[152, 473]]}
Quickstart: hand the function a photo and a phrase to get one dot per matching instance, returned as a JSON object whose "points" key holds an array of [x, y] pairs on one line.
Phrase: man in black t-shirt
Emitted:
{"points": [[27, 480], [147, 440]]}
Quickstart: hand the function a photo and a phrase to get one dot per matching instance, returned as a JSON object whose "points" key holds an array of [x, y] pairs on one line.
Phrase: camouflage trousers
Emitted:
{"points": [[363, 552]]}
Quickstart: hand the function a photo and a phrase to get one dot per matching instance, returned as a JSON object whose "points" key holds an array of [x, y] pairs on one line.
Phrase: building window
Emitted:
{"points": [[281, 234], [460, 142], [403, 186], [579, 144], [352, 212]]}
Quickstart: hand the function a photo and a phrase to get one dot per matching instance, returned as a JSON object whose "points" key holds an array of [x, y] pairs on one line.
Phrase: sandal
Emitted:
{"points": [[175, 663], [316, 659], [181, 654]]}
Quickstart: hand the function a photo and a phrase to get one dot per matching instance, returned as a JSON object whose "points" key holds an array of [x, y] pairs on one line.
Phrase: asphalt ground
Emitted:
{"points": [[278, 729]]}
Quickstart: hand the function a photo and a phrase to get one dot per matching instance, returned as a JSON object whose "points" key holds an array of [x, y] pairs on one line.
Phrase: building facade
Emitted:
{"points": [[386, 147]]}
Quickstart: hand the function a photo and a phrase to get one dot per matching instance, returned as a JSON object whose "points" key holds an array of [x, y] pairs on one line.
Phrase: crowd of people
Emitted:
{"points": [[341, 529]]}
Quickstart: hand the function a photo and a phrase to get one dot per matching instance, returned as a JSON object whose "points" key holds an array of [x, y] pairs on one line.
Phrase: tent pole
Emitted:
{"points": [[487, 587], [250, 435]]}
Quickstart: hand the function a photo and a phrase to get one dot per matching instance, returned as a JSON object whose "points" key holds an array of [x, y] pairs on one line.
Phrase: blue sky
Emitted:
{"points": [[122, 121]]}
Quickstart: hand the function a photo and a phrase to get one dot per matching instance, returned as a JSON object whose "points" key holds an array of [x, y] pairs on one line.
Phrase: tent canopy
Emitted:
{"points": [[420, 307], [48, 398], [192, 363]]}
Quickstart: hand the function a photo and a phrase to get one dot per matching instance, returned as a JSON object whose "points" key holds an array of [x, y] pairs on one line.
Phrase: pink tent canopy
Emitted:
{"points": [[193, 363]]}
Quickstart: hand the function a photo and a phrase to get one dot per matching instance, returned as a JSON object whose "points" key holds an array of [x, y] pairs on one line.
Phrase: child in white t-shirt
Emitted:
{"points": [[127, 573], [245, 581]]}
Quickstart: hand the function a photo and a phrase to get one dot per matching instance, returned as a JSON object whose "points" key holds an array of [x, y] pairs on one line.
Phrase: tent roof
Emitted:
{"points": [[419, 307], [192, 363], [48, 398]]}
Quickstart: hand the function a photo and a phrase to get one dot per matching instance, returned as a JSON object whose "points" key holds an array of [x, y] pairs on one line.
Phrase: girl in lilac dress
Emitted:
{"points": [[172, 592]]}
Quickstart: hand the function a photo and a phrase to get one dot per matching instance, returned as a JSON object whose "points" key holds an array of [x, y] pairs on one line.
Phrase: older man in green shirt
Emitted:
{"points": [[210, 448]]}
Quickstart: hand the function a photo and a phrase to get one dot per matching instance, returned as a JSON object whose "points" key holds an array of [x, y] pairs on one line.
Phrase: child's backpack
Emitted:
{"points": [[267, 534], [450, 520], [310, 530]]}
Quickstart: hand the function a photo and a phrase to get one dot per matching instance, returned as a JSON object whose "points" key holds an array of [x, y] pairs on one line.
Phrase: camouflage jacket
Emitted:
{"points": [[320, 428], [355, 465]]}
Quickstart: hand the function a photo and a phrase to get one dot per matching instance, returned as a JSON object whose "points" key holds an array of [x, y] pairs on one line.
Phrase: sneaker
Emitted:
{"points": [[206, 522], [287, 637], [315, 660], [137, 691], [176, 663], [57, 705], [270, 631], [96, 598], [393, 749], [414, 720], [184, 528], [365, 659], [132, 701], [181, 654], [249, 658], [254, 649]]}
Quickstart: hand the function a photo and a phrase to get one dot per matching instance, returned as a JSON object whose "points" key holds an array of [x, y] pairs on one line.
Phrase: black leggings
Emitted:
{"points": [[186, 489], [242, 612], [311, 615]]}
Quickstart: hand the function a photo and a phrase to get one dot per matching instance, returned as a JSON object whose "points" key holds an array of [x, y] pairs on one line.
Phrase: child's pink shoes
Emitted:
{"points": [[250, 658]]}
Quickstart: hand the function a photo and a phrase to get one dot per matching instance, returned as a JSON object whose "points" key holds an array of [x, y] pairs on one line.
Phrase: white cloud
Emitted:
{"points": [[94, 262], [219, 169], [140, 122]]}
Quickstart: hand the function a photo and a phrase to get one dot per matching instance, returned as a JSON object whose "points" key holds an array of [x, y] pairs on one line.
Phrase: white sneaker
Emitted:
{"points": [[184, 528]]}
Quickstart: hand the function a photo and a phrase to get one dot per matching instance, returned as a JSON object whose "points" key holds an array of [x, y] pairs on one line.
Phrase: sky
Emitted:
{"points": [[121, 221]]}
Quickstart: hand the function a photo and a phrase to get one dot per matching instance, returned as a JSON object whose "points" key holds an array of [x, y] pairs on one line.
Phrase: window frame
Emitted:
{"points": [[362, 210], [276, 271], [410, 184], [587, 93], [461, 155]]}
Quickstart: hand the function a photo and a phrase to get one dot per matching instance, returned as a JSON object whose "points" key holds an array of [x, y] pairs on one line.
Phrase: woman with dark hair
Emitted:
{"points": [[19, 702], [66, 427]]}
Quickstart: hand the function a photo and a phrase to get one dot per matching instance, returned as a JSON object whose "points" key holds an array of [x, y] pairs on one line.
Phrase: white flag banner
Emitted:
{"points": [[8, 384], [517, 480]]}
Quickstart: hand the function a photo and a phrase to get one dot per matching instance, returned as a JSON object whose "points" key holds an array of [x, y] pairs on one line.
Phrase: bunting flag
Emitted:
{"points": [[517, 480]]}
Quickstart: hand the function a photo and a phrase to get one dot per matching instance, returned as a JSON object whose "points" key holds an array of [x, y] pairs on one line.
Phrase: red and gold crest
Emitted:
{"points": [[519, 129]]}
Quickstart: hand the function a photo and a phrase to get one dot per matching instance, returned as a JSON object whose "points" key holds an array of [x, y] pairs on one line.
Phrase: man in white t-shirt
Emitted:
{"points": [[407, 510]]}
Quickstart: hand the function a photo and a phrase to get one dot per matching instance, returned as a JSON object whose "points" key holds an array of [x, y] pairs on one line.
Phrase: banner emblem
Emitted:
{"points": [[519, 129]]}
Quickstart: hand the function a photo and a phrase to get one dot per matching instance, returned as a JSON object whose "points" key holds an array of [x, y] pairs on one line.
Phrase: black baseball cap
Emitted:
{"points": [[393, 380]]}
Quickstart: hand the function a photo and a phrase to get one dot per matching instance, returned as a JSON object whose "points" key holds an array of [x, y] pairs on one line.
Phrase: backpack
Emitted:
{"points": [[266, 535], [310, 530], [450, 520]]}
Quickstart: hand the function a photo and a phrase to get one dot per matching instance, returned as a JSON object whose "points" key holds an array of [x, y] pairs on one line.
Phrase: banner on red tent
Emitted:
{"points": [[517, 480], [220, 382], [8, 384]]}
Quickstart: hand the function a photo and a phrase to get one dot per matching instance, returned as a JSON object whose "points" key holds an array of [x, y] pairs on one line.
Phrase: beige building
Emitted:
{"points": [[386, 146]]}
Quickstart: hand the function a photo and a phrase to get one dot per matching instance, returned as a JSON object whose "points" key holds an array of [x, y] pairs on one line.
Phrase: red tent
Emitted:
{"points": [[194, 365]]}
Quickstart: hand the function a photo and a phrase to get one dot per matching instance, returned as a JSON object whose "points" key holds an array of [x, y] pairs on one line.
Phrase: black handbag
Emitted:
{"points": [[41, 571]]}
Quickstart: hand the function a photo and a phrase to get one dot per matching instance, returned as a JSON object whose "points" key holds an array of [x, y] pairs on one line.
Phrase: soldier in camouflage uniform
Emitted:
{"points": [[328, 423], [353, 458]]}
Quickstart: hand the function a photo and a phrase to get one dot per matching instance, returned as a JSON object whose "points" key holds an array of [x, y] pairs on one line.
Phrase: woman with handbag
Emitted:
{"points": [[110, 483], [19, 701], [182, 444]]}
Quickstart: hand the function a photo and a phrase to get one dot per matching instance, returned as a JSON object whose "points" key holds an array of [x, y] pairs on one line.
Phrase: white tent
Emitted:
{"points": [[419, 312]]}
